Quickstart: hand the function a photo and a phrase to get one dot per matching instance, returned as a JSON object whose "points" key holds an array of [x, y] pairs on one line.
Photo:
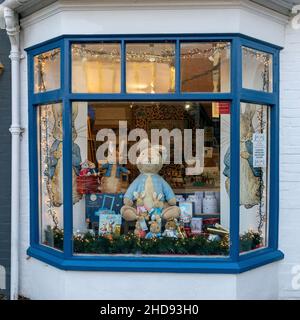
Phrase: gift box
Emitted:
{"points": [[87, 184], [102, 201]]}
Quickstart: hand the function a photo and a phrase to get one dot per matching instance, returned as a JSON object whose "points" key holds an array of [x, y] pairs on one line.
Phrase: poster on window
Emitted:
{"points": [[259, 150]]}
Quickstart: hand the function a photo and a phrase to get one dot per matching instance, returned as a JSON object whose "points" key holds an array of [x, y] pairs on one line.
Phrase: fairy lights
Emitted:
{"points": [[45, 135]]}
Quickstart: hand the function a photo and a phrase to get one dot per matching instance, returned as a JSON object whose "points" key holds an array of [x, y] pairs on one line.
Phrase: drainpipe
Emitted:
{"points": [[295, 22], [12, 27]]}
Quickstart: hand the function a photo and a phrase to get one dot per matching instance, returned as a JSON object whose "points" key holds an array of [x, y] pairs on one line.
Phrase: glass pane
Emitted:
{"points": [[205, 67], [257, 70], [254, 176], [47, 71], [150, 68], [96, 68], [50, 142], [181, 208]]}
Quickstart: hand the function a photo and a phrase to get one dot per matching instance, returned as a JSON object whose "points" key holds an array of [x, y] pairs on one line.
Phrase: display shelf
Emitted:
{"points": [[196, 189]]}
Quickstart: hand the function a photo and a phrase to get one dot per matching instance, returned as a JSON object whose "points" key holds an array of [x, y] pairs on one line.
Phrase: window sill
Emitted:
{"points": [[161, 264]]}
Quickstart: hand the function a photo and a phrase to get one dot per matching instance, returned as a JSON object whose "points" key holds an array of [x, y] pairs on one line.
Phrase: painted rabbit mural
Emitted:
{"points": [[249, 175], [55, 171]]}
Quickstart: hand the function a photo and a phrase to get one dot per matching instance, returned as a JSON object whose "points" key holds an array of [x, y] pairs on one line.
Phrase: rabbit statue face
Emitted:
{"points": [[151, 159], [154, 227]]}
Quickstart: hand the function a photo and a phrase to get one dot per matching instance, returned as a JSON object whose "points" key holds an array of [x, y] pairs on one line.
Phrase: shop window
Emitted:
{"points": [[257, 70], [47, 71], [157, 152], [205, 67], [96, 68], [50, 139], [254, 175], [182, 209], [150, 68]]}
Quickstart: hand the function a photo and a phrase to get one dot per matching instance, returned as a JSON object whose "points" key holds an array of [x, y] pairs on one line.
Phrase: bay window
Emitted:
{"points": [[154, 153]]}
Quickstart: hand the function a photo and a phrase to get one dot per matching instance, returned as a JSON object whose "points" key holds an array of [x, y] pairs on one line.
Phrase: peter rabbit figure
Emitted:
{"points": [[55, 160], [157, 208], [249, 176], [149, 163], [111, 181], [139, 202]]}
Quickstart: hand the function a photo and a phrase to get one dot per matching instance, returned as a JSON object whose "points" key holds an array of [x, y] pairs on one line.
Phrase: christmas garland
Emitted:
{"points": [[129, 244]]}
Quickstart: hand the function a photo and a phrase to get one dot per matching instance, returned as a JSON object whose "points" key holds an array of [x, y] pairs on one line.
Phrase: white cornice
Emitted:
{"points": [[69, 6]]}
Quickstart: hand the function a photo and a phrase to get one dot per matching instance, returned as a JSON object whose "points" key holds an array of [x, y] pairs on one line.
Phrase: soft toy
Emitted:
{"points": [[149, 163], [92, 169], [158, 205], [140, 208], [171, 229], [111, 181], [139, 230], [155, 230], [85, 168]]}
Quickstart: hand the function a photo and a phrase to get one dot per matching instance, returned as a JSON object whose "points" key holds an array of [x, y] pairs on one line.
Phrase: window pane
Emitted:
{"points": [[150, 68], [50, 139], [96, 68], [205, 67], [47, 71], [257, 70], [254, 176], [182, 209]]}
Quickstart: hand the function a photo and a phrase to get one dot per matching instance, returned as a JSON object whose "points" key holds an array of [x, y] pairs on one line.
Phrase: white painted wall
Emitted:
{"points": [[162, 17], [51, 283], [289, 240]]}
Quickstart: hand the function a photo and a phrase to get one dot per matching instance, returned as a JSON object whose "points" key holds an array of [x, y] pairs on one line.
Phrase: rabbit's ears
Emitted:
{"points": [[57, 111], [157, 196], [145, 144], [162, 150], [139, 195], [249, 111]]}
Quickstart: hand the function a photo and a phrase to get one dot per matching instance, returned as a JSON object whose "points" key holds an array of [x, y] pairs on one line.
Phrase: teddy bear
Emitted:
{"points": [[171, 229], [158, 195]]}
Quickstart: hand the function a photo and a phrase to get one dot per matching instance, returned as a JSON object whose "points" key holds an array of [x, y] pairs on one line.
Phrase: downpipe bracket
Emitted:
{"points": [[18, 131]]}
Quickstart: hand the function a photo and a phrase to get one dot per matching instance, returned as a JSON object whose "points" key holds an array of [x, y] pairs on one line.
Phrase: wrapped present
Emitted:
{"points": [[87, 184]]}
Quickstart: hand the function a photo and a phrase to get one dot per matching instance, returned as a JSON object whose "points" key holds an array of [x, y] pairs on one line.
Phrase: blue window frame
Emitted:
{"points": [[234, 263]]}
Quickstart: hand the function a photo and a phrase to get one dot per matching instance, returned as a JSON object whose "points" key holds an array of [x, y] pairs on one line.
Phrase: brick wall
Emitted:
{"points": [[5, 156], [289, 237]]}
